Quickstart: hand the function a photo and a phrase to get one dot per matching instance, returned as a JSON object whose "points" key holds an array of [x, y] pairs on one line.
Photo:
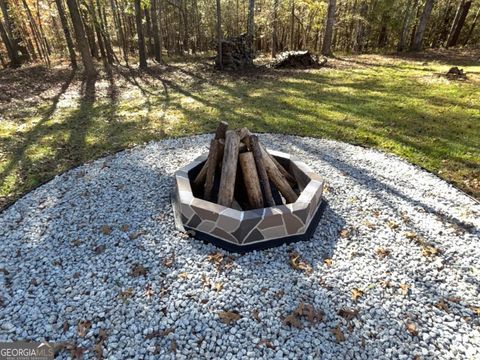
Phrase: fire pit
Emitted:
{"points": [[241, 196]]}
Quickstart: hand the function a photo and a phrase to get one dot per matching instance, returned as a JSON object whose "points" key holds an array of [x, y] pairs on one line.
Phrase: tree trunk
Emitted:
{"points": [[329, 23], [457, 25], [417, 44], [472, 27], [251, 27], [219, 34], [292, 24], [141, 39], [9, 33], [148, 33], [121, 33], [411, 7], [81, 38], [360, 33], [155, 33], [66, 32], [274, 28]]}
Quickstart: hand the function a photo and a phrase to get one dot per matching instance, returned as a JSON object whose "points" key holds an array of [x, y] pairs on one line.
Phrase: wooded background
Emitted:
{"points": [[133, 31]]}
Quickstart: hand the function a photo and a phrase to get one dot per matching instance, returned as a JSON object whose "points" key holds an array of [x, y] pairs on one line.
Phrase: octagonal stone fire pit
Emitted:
{"points": [[241, 231]]}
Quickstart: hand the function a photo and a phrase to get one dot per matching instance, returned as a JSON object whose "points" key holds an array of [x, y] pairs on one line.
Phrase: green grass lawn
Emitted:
{"points": [[51, 120]]}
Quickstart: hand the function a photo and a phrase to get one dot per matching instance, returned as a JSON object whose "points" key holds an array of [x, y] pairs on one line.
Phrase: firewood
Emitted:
{"points": [[251, 181], [291, 180], [243, 133], [229, 168], [199, 180], [214, 158], [277, 178], [262, 173], [221, 130]]}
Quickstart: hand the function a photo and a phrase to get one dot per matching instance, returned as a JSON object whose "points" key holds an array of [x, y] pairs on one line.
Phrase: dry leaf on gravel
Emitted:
{"points": [[228, 317], [168, 262], [309, 311], [392, 224], [183, 276], [292, 320], [99, 249], [442, 305], [159, 333], [297, 263], [126, 294], [382, 252], [125, 227], [173, 346], [339, 337], [412, 328], [267, 344], [218, 286], [148, 291], [386, 284], [139, 270], [344, 233], [328, 262], [347, 313], [135, 235], [83, 326], [430, 250], [405, 289], [255, 315], [106, 229], [356, 294], [411, 235]]}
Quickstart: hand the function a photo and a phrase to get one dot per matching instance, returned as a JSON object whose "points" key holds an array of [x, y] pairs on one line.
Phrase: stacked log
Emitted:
{"points": [[296, 59], [246, 175], [235, 54]]}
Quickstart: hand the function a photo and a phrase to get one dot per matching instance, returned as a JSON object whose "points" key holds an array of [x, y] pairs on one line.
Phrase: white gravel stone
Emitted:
{"points": [[50, 274]]}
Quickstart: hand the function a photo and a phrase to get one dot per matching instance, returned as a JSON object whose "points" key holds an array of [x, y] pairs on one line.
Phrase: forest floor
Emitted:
{"points": [[52, 120]]}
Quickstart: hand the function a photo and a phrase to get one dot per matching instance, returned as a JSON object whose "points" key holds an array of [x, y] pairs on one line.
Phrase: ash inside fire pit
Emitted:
{"points": [[242, 196]]}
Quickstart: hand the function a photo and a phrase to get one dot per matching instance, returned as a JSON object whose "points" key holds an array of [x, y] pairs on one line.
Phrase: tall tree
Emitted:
{"points": [[81, 38], [329, 23], [407, 21], [219, 34], [472, 27], [66, 32], [157, 49], [458, 22], [9, 36], [251, 27], [417, 43], [275, 28], [141, 40]]}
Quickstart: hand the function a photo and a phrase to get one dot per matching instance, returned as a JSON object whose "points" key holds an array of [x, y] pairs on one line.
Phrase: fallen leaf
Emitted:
{"points": [[76, 275], [159, 333], [344, 233], [65, 326], [382, 252], [411, 235], [328, 262], [356, 294], [125, 227], [267, 344], [99, 249], [279, 294], [173, 346], [135, 235], [348, 314], [292, 320], [339, 337], [139, 270], [183, 276], [297, 263], [309, 311], [106, 229], [149, 291], [386, 284], [430, 250], [369, 225], [412, 328], [255, 315], [168, 262], [83, 326], [127, 293], [218, 286], [76, 242], [442, 305], [454, 299], [392, 224], [227, 317], [405, 289], [205, 280], [476, 310]]}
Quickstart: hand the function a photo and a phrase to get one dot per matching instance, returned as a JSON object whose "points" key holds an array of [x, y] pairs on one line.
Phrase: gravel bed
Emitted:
{"points": [[91, 259]]}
